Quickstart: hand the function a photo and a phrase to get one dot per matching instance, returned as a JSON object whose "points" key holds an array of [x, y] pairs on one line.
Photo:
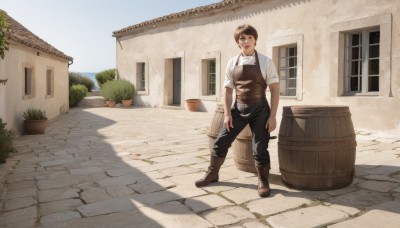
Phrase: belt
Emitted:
{"points": [[250, 99]]}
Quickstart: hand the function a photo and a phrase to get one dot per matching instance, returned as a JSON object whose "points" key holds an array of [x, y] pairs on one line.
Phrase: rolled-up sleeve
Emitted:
{"points": [[228, 76], [272, 75]]}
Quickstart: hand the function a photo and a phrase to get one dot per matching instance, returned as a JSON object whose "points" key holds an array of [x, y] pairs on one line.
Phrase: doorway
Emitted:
{"points": [[176, 81]]}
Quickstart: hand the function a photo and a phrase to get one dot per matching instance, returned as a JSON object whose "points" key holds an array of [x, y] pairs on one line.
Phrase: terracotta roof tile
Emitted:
{"points": [[198, 11], [22, 35]]}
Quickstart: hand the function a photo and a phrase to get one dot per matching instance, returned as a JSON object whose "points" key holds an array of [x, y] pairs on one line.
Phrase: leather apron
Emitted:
{"points": [[249, 82]]}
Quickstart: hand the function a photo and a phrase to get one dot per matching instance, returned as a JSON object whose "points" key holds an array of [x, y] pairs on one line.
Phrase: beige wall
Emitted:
{"points": [[316, 26], [12, 100]]}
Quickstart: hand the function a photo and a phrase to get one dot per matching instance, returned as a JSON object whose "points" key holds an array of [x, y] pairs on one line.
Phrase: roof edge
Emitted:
{"points": [[20, 34], [179, 16]]}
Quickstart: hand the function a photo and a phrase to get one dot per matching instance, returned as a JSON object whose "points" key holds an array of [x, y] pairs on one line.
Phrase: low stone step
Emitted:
{"points": [[92, 101]]}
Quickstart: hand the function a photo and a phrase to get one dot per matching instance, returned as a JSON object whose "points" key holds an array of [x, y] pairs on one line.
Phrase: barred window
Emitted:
{"points": [[362, 62], [288, 70]]}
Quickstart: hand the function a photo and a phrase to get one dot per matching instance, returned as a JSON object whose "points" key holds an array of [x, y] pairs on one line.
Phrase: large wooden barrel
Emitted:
{"points": [[242, 151], [316, 147], [216, 125]]}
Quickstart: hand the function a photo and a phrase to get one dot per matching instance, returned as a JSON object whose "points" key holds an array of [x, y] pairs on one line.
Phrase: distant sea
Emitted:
{"points": [[93, 77]]}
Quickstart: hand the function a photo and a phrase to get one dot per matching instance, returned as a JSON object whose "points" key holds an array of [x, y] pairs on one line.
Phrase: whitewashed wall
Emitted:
{"points": [[12, 103], [316, 26]]}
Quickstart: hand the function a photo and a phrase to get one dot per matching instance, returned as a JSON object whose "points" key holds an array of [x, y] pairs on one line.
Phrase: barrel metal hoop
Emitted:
{"points": [[315, 114], [324, 139], [212, 134], [318, 175], [240, 160], [245, 138], [317, 148]]}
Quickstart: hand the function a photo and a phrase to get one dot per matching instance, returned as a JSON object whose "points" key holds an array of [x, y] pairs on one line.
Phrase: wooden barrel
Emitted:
{"points": [[216, 125], [242, 151], [316, 147]]}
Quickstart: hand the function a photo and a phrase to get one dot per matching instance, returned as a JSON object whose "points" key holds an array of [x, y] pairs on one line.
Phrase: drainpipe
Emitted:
{"points": [[70, 62]]}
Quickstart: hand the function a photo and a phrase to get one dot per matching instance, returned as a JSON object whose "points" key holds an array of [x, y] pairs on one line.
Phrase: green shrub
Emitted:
{"points": [[106, 90], [105, 76], [118, 90], [78, 78], [34, 114], [76, 94], [6, 139]]}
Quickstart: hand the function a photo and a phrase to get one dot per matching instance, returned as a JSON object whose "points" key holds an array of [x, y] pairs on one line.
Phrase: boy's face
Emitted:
{"points": [[246, 43]]}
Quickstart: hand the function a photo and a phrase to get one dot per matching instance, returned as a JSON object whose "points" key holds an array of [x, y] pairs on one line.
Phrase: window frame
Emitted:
{"points": [[24, 84], [287, 68], [205, 59], [138, 75], [285, 41], [363, 63], [337, 52], [141, 76], [211, 75], [51, 70]]}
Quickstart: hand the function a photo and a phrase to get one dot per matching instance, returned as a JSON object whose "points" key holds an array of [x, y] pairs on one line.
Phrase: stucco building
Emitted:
{"points": [[327, 52], [36, 74]]}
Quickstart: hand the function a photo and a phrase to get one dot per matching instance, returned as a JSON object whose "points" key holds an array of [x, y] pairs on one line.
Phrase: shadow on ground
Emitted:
{"points": [[88, 171]]}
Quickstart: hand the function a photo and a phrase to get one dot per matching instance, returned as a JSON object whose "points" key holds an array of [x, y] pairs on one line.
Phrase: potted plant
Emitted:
{"points": [[6, 140], [127, 92], [35, 121], [119, 91], [108, 94]]}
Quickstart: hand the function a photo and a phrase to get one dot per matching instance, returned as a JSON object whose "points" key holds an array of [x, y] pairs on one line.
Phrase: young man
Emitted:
{"points": [[249, 74]]}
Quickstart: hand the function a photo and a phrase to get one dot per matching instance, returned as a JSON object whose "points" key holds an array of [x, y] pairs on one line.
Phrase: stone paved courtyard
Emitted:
{"points": [[136, 167]]}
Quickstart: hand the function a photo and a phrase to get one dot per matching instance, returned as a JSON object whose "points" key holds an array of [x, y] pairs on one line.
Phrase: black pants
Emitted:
{"points": [[256, 115]]}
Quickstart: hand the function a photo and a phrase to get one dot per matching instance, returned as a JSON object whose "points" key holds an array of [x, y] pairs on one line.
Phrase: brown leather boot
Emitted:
{"points": [[212, 173], [263, 184]]}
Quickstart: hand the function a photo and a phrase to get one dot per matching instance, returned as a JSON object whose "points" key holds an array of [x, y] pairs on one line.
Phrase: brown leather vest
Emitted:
{"points": [[249, 82]]}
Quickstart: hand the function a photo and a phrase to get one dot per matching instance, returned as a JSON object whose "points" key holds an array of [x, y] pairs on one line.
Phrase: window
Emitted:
{"points": [[27, 81], [141, 76], [362, 61], [211, 79], [287, 54], [288, 70], [49, 83], [363, 67]]}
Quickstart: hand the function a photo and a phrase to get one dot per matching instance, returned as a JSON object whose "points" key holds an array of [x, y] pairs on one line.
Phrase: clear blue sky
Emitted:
{"points": [[83, 29]]}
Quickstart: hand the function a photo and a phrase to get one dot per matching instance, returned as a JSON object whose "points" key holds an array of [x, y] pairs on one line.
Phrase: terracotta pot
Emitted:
{"points": [[126, 103], [33, 127], [193, 105], [111, 104]]}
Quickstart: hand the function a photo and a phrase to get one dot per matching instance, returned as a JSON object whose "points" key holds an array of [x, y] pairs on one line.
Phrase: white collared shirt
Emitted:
{"points": [[266, 65]]}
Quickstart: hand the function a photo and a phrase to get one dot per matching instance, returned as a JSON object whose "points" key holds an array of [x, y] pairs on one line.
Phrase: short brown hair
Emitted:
{"points": [[245, 29]]}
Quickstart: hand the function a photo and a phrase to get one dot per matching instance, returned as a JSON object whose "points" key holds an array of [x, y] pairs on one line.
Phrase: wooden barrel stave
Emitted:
{"points": [[316, 148], [216, 125]]}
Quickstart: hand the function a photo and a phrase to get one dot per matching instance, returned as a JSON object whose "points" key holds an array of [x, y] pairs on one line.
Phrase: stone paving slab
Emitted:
{"points": [[15, 217], [57, 194], [227, 215], [136, 167], [18, 203], [207, 202], [316, 216], [59, 217], [383, 215], [276, 204], [174, 214]]}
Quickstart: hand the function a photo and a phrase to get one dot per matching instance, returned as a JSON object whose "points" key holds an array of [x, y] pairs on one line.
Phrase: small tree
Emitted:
{"points": [[80, 79], [76, 94], [105, 76], [3, 42], [3, 29], [6, 139]]}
